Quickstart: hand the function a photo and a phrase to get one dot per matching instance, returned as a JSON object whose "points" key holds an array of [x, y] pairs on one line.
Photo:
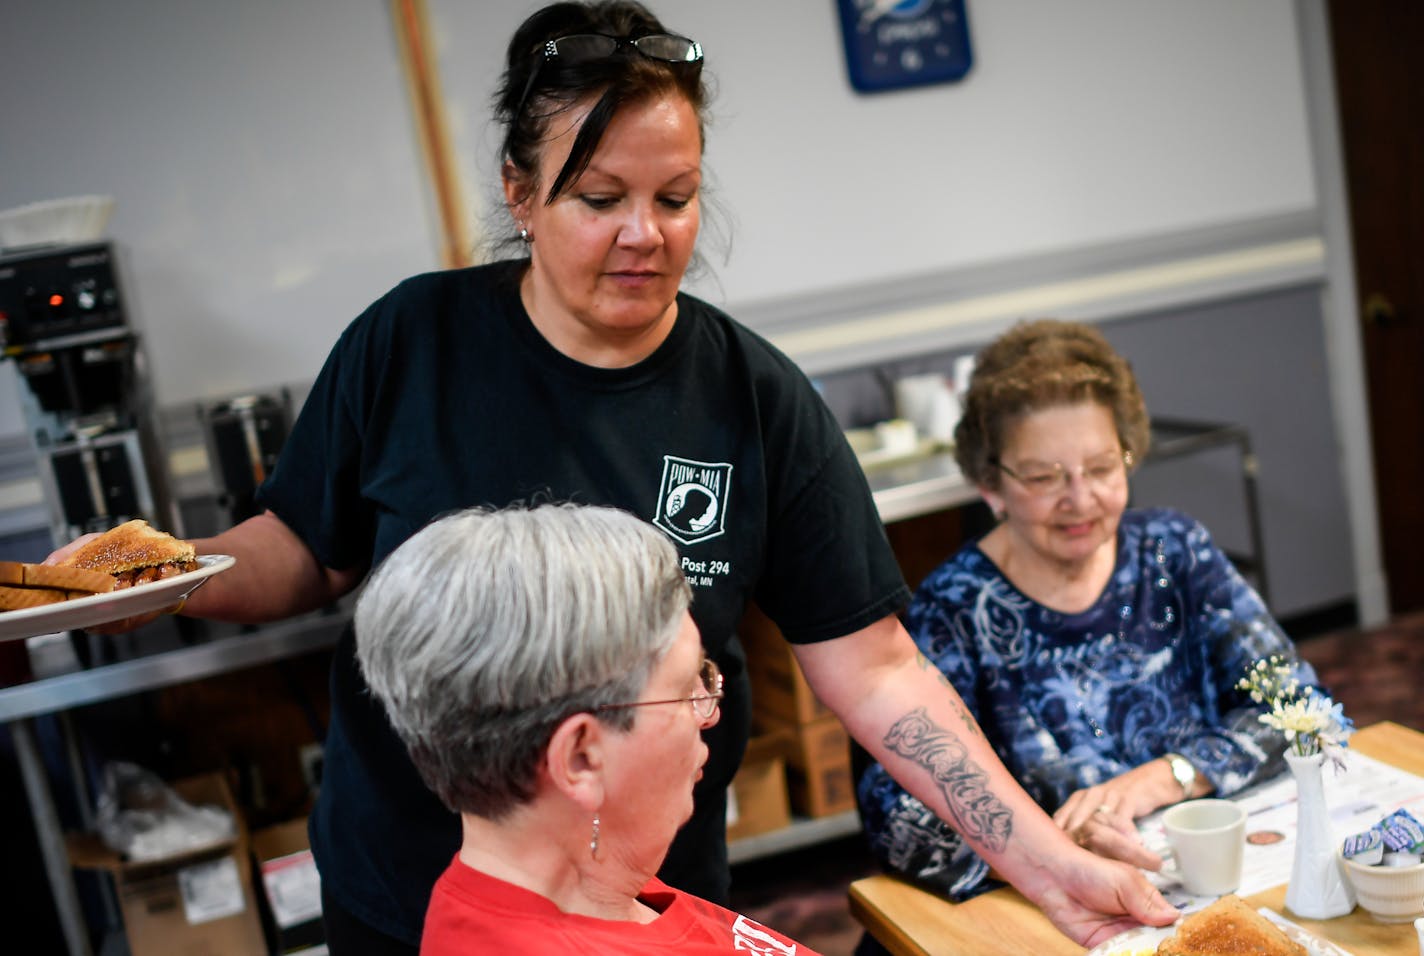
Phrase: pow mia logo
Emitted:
{"points": [[692, 500]]}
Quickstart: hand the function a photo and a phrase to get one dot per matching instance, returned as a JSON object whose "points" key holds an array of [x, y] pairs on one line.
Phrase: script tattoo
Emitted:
{"points": [[979, 816]]}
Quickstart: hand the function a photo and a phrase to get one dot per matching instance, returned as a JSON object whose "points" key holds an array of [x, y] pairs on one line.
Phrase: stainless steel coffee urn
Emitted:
{"points": [[244, 436]]}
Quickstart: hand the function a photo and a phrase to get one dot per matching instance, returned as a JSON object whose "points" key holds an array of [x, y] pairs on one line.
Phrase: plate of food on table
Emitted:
{"points": [[1226, 926]]}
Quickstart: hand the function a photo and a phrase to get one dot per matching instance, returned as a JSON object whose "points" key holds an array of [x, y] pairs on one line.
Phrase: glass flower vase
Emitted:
{"points": [[1317, 888]]}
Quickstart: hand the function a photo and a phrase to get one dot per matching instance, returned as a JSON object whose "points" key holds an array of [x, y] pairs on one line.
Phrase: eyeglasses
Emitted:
{"points": [[1050, 481], [585, 47], [704, 705]]}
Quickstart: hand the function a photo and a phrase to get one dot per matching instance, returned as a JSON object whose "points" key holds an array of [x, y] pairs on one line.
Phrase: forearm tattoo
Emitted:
{"points": [[979, 816], [970, 724]]}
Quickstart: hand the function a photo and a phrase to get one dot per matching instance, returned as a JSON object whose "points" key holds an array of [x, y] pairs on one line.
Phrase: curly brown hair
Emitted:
{"points": [[1037, 365]]}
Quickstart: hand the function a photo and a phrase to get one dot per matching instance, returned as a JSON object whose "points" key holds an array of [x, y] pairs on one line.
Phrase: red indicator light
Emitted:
{"points": [[56, 300]]}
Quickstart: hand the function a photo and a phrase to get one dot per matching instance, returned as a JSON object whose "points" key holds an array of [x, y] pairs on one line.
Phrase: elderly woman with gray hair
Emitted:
{"points": [[542, 669]]}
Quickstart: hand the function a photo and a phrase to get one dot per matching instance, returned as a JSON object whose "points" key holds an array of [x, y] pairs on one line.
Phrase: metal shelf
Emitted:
{"points": [[208, 658], [1176, 437], [919, 487]]}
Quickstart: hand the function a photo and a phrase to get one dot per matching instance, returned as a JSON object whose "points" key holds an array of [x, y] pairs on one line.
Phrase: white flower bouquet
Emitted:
{"points": [[1309, 720]]}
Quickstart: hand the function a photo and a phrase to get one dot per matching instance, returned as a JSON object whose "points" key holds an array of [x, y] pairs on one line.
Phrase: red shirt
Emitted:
{"points": [[471, 911]]}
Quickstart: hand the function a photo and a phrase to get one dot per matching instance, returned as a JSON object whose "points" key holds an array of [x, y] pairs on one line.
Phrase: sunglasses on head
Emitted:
{"points": [[587, 47]]}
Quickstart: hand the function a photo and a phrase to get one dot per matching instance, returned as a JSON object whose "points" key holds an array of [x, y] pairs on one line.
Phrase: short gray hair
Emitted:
{"points": [[487, 629]]}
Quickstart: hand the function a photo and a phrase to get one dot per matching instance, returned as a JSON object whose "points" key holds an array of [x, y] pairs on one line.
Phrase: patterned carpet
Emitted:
{"points": [[1375, 674]]}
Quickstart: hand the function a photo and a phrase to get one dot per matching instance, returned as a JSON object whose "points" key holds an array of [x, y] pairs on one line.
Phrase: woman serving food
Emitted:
{"points": [[578, 371], [1098, 648]]}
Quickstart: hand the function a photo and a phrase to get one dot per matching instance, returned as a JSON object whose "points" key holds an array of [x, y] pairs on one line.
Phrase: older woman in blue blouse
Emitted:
{"points": [[1098, 648]]}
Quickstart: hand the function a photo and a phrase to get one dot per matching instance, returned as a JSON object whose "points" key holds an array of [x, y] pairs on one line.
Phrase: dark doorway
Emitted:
{"points": [[1379, 81]]}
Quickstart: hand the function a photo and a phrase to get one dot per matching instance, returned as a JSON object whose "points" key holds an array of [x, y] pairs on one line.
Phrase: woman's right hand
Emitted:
{"points": [[1093, 899]]}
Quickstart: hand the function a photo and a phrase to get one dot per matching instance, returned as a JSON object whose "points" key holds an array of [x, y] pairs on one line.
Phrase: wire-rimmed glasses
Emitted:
{"points": [[703, 705], [1052, 480]]}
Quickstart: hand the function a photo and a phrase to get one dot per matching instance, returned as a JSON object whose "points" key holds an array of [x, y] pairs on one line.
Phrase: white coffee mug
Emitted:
{"points": [[930, 402], [1208, 838], [896, 436]]}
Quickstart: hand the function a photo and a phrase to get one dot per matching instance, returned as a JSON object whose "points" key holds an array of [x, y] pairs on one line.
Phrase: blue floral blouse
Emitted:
{"points": [[1072, 700]]}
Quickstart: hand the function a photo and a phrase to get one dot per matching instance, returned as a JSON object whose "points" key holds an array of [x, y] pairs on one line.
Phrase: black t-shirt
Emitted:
{"points": [[441, 396]]}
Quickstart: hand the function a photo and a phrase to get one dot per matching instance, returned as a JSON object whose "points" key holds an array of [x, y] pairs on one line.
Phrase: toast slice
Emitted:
{"points": [[18, 574], [18, 599], [1229, 927], [134, 553]]}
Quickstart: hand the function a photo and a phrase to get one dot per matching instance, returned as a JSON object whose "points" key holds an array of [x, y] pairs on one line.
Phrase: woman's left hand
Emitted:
{"points": [[1103, 818], [1105, 835]]}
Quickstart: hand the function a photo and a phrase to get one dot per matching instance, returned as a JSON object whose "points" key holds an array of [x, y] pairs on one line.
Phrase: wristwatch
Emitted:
{"points": [[1183, 770]]}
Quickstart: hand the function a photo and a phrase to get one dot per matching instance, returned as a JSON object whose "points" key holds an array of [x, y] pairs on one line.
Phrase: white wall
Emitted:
{"points": [[269, 184], [1081, 123]]}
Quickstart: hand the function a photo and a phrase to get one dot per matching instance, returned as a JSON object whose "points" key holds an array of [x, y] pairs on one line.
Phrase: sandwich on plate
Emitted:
{"points": [[1229, 927], [134, 553]]}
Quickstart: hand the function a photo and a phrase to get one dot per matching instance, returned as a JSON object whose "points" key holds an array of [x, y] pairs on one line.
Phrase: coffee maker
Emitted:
{"points": [[85, 394], [244, 436]]}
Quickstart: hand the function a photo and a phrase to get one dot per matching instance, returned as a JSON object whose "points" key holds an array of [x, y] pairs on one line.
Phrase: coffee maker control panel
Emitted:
{"points": [[49, 296]]}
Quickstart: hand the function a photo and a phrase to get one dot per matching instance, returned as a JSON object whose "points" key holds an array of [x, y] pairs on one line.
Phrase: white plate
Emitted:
{"points": [[102, 608], [1146, 938]]}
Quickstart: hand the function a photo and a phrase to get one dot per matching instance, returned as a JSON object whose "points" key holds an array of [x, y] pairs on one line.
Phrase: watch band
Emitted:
{"points": [[1183, 771]]}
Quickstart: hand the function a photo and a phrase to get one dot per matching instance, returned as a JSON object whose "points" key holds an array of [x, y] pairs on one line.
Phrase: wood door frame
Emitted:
{"points": [[1344, 349], [410, 20]]}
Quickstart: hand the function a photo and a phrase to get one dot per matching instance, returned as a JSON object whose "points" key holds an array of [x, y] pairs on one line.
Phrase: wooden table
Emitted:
{"points": [[910, 921]]}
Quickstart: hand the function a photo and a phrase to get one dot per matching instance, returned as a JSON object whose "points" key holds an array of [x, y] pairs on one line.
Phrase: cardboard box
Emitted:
{"points": [[288, 887], [818, 772], [780, 693], [196, 903], [757, 800]]}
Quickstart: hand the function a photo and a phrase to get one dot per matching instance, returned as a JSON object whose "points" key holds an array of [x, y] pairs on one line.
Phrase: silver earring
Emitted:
{"points": [[524, 234], [593, 843]]}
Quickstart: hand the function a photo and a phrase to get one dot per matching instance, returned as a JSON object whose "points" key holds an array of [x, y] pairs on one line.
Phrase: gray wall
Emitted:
{"points": [[1259, 362]]}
